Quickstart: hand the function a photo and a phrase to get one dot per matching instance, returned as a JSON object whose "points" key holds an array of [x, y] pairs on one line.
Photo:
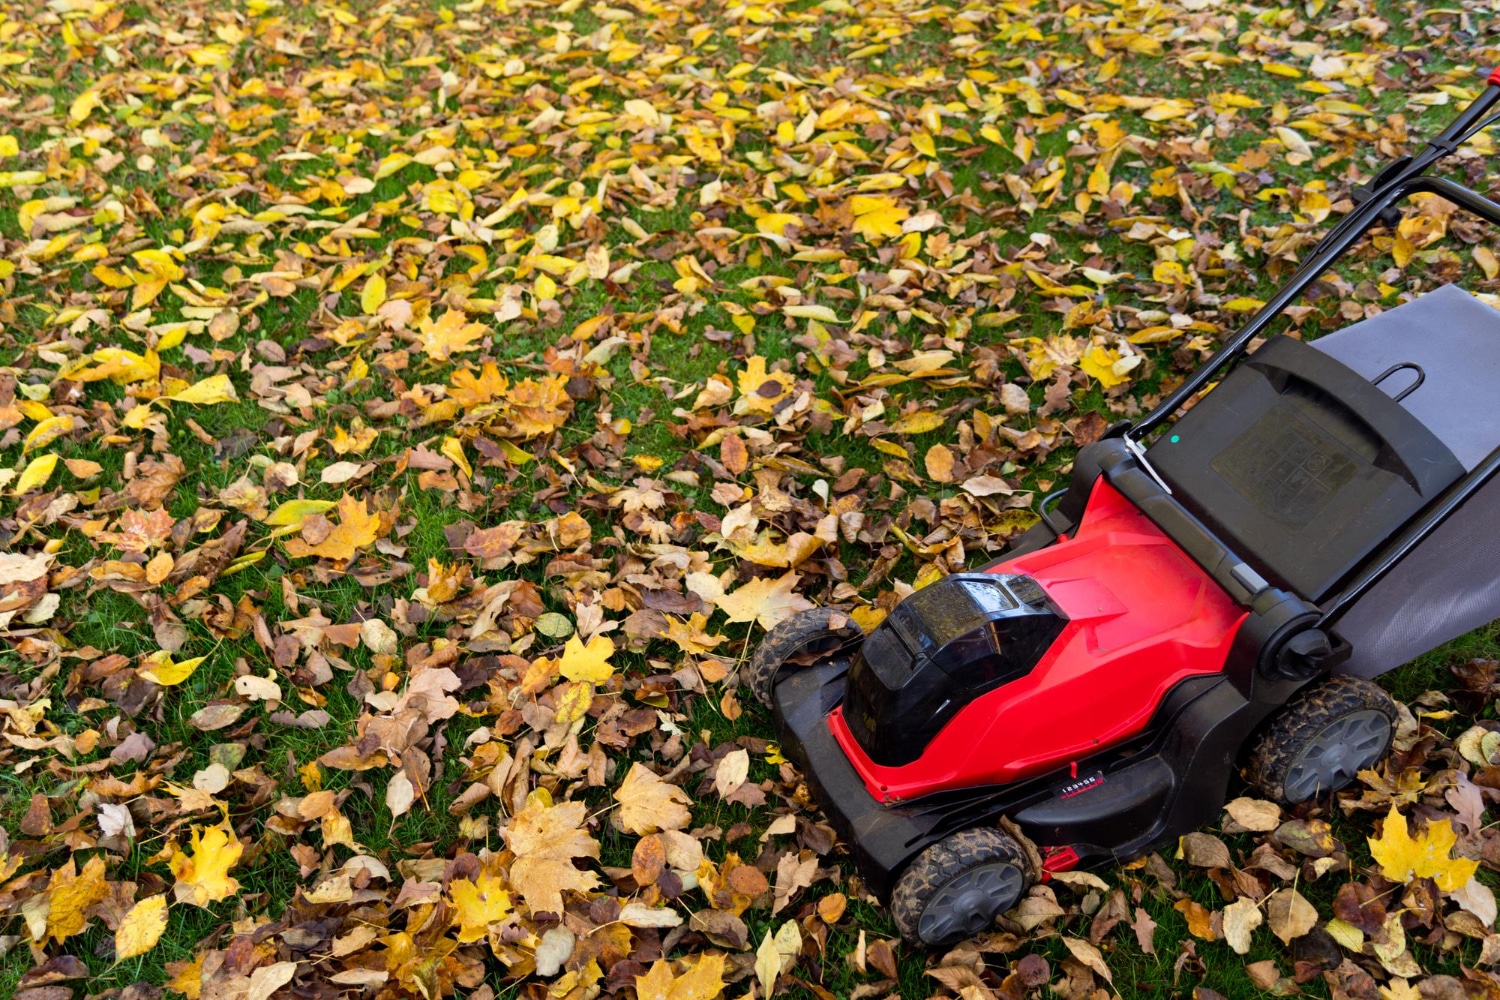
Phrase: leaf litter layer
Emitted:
{"points": [[412, 415]]}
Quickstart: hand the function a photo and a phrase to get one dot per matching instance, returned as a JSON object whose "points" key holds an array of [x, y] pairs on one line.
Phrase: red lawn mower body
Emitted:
{"points": [[1141, 618], [1212, 572]]}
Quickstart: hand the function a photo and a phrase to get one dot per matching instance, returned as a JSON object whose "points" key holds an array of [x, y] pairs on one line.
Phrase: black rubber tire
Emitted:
{"points": [[945, 862], [817, 630], [1297, 727]]}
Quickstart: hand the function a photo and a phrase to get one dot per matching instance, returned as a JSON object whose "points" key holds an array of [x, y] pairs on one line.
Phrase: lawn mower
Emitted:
{"points": [[1210, 594]]}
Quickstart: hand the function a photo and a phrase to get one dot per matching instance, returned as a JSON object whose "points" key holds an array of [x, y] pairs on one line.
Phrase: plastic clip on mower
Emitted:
{"points": [[1209, 593]]}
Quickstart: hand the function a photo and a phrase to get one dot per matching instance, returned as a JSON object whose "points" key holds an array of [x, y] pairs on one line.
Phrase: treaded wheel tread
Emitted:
{"points": [[942, 863], [1308, 714], [793, 637]]}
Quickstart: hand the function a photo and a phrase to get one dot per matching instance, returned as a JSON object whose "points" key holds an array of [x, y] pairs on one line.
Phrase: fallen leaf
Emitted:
{"points": [[1429, 855], [141, 928], [546, 838], [648, 804]]}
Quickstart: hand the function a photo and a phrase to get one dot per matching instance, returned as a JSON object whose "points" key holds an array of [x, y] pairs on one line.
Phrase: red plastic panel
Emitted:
{"points": [[1495, 76], [1142, 617]]}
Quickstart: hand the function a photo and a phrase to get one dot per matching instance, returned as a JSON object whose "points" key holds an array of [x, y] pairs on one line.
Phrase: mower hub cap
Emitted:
{"points": [[1333, 757], [970, 902]]}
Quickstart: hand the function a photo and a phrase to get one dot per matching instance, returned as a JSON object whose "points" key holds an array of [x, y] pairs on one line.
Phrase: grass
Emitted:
{"points": [[640, 391]]}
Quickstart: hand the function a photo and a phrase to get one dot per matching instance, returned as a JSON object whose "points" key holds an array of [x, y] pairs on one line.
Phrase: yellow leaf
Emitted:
{"points": [[924, 144], [775, 223], [1103, 363], [166, 673], [70, 894], [356, 529], [9, 146], [36, 474], [142, 927], [83, 105], [764, 600], [479, 903], [1243, 305], [644, 111], [1165, 110], [533, 408], [920, 422], [1155, 335], [703, 980], [373, 295], [391, 164], [1168, 272], [214, 389], [809, 311], [138, 416], [203, 875], [47, 431], [1403, 858], [296, 511], [877, 217], [1488, 263], [588, 663], [449, 334], [1346, 934], [453, 449], [761, 390], [573, 701], [157, 264]]}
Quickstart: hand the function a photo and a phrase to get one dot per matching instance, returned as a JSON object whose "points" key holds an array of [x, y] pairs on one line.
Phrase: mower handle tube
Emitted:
{"points": [[1349, 230]]}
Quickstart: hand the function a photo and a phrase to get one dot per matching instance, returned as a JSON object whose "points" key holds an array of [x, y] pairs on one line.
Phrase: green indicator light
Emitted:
{"points": [[1176, 438]]}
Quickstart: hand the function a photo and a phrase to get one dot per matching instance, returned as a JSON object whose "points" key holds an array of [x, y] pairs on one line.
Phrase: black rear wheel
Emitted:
{"points": [[957, 887], [802, 636], [1322, 739]]}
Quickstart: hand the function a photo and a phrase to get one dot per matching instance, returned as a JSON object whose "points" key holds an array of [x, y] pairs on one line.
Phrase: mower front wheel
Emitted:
{"points": [[957, 887], [1322, 739], [805, 634]]}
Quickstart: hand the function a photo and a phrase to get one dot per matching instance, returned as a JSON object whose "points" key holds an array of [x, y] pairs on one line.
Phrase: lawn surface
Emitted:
{"points": [[412, 415]]}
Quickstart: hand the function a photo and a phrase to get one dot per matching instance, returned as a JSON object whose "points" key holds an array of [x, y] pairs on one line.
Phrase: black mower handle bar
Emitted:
{"points": [[1396, 182]]}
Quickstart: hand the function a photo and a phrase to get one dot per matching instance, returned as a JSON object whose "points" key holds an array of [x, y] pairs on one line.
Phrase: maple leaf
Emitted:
{"points": [[70, 893], [761, 600], [702, 980], [479, 903], [692, 635], [1402, 857], [470, 390], [545, 839], [534, 408], [588, 663], [449, 334], [1108, 366], [141, 928], [166, 673], [877, 217], [356, 529], [203, 876], [761, 390], [648, 804]]}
